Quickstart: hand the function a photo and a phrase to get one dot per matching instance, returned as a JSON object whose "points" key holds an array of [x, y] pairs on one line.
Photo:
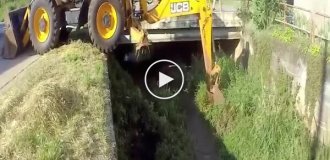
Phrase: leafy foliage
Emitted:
{"points": [[314, 49], [284, 34], [264, 12]]}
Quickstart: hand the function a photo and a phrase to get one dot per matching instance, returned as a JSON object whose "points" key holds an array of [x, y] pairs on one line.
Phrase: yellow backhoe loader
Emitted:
{"points": [[43, 22]]}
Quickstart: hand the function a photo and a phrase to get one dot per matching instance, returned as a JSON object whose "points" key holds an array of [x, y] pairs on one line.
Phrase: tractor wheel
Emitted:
{"points": [[44, 25], [105, 23]]}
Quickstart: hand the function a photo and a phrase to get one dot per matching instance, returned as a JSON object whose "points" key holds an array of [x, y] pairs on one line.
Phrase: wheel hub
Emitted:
{"points": [[42, 25], [106, 20]]}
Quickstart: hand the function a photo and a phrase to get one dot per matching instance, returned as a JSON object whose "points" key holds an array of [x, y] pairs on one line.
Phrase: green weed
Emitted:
{"points": [[284, 34], [264, 12], [257, 122], [314, 49], [258, 119], [50, 113]]}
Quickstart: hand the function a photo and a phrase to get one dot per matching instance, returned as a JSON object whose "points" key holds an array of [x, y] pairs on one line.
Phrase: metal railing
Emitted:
{"points": [[305, 20]]}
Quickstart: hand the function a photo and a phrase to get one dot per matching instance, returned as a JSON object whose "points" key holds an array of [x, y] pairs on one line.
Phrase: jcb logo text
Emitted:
{"points": [[179, 7]]}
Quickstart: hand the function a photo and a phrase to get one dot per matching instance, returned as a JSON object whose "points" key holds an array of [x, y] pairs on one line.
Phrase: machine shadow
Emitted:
{"points": [[206, 142], [202, 135]]}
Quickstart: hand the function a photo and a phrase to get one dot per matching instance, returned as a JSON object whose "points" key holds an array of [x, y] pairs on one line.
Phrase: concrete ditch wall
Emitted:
{"points": [[295, 65]]}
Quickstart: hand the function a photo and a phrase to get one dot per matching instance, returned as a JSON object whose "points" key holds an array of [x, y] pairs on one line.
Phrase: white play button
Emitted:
{"points": [[164, 79], [153, 84]]}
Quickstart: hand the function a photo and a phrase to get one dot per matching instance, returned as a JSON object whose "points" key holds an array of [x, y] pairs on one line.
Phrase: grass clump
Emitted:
{"points": [[284, 34], [9, 5], [146, 128], [56, 110]]}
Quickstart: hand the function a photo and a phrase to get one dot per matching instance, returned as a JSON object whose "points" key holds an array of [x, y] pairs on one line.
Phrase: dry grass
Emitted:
{"points": [[57, 109]]}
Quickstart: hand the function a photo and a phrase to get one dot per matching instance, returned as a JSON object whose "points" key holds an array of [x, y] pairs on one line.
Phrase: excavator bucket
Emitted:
{"points": [[16, 32], [211, 68]]}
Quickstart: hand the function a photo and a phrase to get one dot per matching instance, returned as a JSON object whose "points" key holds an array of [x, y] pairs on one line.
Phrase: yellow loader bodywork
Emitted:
{"points": [[201, 8], [165, 9], [16, 32]]}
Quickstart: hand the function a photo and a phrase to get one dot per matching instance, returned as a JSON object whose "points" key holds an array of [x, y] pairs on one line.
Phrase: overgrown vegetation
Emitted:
{"points": [[259, 118], [284, 34], [264, 12], [146, 128], [312, 53], [56, 110]]}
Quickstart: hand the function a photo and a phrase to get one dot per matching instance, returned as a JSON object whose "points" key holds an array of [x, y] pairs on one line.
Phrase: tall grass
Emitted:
{"points": [[56, 110], [258, 119], [257, 122]]}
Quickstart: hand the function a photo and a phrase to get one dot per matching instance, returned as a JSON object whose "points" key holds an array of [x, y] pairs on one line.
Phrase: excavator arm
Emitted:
{"points": [[205, 26], [201, 8]]}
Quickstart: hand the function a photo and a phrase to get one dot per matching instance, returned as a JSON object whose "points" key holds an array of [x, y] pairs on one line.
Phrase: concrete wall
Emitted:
{"points": [[325, 119], [321, 6], [295, 65]]}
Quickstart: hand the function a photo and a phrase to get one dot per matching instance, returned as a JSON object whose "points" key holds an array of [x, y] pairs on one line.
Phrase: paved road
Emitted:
{"points": [[10, 69]]}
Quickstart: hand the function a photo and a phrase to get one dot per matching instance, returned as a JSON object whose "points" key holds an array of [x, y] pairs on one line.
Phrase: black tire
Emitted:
{"points": [[54, 30], [105, 45], [65, 34]]}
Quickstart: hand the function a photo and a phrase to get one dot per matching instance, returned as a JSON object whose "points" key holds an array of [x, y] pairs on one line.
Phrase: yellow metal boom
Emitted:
{"points": [[201, 8]]}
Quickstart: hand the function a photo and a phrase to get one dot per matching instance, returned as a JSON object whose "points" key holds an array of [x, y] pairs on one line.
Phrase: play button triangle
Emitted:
{"points": [[164, 79]]}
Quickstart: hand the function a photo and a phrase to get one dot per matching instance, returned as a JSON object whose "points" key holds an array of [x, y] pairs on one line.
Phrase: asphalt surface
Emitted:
{"points": [[11, 68]]}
